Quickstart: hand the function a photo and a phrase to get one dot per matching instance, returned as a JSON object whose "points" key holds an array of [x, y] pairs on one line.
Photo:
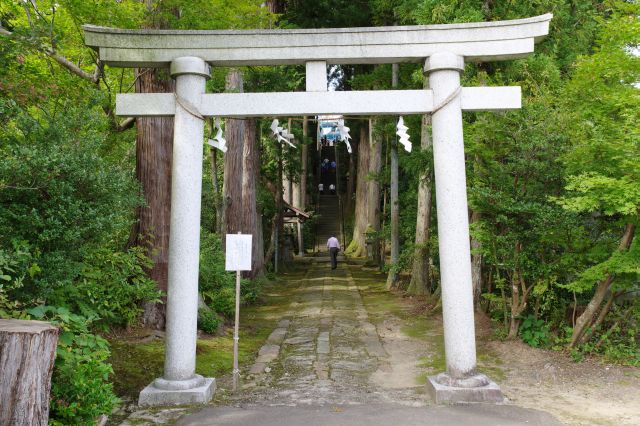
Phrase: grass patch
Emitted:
{"points": [[490, 364], [136, 364], [416, 328], [375, 297]]}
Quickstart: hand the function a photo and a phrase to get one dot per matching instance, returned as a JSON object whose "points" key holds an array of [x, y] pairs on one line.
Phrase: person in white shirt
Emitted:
{"points": [[332, 189], [321, 188], [334, 246]]}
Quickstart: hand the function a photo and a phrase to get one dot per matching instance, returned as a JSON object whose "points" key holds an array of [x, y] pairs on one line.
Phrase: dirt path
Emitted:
{"points": [[586, 393]]}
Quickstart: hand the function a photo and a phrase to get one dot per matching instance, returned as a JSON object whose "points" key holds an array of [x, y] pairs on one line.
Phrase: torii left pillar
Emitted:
{"points": [[180, 385]]}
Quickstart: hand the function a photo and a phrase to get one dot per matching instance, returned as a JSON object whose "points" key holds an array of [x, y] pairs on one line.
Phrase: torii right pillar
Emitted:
{"points": [[460, 382]]}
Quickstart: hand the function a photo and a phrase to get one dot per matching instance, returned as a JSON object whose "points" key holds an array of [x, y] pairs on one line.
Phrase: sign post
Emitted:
{"points": [[238, 258]]}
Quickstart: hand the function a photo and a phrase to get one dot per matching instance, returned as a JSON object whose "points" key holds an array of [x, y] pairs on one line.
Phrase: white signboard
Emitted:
{"points": [[238, 256]]}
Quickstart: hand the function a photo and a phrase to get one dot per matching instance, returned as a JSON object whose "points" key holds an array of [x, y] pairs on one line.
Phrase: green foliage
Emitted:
{"points": [[534, 332], [80, 389], [326, 13], [618, 339], [16, 263], [59, 194], [208, 321], [112, 286], [217, 285], [602, 112], [622, 346]]}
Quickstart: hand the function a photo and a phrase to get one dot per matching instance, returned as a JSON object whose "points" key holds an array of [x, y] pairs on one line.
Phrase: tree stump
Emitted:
{"points": [[27, 355]]}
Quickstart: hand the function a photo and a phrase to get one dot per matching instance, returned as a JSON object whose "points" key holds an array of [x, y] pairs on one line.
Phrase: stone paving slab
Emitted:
{"points": [[298, 340], [284, 323], [258, 368], [323, 347], [277, 336], [268, 353]]}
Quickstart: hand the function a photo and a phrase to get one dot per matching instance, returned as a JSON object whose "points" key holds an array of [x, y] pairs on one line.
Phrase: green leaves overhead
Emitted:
{"points": [[602, 103]]}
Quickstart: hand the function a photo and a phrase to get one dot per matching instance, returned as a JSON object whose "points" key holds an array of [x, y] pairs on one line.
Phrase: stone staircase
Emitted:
{"points": [[329, 224]]}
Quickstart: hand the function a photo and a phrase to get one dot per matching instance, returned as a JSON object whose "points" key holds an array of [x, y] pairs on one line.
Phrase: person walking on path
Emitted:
{"points": [[334, 246]]}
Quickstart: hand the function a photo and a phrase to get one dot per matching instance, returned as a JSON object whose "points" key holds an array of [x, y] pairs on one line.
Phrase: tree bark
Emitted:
{"points": [[351, 179], [601, 316], [250, 171], [290, 177], [358, 247], [392, 277], [420, 283], [278, 234], [304, 164], [275, 6], [373, 195], [603, 286], [27, 355], [476, 264], [217, 202], [232, 187], [272, 240], [154, 150], [519, 294]]}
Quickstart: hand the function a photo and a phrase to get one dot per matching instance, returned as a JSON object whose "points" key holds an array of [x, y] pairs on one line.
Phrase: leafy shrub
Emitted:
{"points": [[15, 264], [80, 389], [534, 332], [223, 301], [250, 290], [208, 321], [60, 194], [615, 342], [213, 276], [111, 285]]}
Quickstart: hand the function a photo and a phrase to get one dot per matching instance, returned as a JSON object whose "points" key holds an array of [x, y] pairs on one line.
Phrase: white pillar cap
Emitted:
{"points": [[444, 61], [190, 65]]}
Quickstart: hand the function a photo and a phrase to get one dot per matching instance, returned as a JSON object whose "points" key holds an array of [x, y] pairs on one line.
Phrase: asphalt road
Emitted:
{"points": [[370, 415]]}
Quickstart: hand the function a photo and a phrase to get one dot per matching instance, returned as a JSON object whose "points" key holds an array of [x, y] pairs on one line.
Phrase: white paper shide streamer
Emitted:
{"points": [[218, 141], [282, 134], [401, 131], [344, 134]]}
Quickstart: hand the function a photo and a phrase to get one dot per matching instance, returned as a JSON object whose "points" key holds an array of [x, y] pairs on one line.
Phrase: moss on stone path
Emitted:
{"points": [[136, 364]]}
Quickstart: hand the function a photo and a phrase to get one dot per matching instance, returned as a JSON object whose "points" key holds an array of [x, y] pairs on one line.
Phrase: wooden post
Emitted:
{"points": [[27, 355], [236, 334], [238, 258]]}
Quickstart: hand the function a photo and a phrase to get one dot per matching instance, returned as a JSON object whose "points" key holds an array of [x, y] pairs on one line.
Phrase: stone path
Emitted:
{"points": [[325, 351], [327, 359]]}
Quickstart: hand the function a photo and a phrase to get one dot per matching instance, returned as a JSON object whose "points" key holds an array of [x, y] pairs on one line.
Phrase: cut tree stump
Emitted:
{"points": [[27, 355]]}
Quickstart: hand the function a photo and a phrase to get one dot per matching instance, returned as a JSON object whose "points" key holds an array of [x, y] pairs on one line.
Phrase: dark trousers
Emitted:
{"points": [[333, 252]]}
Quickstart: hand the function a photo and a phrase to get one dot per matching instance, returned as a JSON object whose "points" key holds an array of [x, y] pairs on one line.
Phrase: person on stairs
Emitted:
{"points": [[332, 189], [334, 247]]}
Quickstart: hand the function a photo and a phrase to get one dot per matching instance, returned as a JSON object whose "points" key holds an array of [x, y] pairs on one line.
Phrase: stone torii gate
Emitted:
{"points": [[442, 48]]}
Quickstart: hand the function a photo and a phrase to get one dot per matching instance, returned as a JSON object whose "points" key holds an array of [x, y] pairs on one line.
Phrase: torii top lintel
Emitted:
{"points": [[478, 41]]}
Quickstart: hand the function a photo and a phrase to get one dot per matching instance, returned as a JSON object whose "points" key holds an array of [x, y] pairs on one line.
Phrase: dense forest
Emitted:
{"points": [[553, 188]]}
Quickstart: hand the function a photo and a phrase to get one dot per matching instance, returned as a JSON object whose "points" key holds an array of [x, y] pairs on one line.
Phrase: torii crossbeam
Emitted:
{"points": [[442, 48]]}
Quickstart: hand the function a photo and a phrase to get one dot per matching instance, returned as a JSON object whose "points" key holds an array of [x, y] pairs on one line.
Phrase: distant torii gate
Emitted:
{"points": [[442, 48]]}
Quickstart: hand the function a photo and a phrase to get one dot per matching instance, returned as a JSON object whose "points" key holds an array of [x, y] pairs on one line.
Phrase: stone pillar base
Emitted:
{"points": [[478, 388], [152, 396]]}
